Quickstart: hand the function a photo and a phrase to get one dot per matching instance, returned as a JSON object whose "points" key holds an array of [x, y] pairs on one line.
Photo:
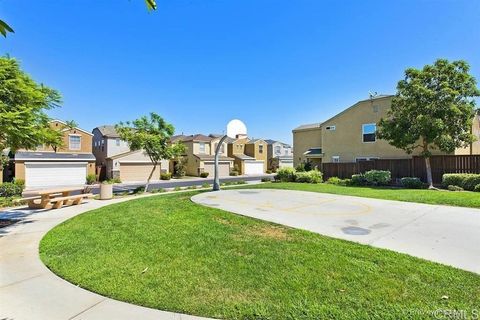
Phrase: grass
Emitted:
{"points": [[443, 197], [168, 253]]}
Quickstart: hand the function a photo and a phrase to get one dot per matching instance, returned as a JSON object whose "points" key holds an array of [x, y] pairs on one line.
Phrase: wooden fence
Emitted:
{"points": [[414, 167]]}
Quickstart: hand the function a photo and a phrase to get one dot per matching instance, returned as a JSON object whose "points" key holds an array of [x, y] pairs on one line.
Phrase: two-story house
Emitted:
{"points": [[200, 154], [350, 136], [114, 159], [279, 154], [68, 165], [250, 155]]}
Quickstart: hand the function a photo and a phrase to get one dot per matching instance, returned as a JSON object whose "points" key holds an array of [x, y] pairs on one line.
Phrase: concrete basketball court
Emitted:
{"points": [[449, 235]]}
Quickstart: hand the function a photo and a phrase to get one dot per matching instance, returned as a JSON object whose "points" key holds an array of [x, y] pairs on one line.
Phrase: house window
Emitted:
{"points": [[74, 142], [331, 128], [278, 150], [336, 159], [368, 131], [375, 109], [117, 142], [201, 147], [222, 147], [260, 148]]}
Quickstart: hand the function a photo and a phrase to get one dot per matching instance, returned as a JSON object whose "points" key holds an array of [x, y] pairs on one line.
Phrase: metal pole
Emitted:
{"points": [[216, 181]]}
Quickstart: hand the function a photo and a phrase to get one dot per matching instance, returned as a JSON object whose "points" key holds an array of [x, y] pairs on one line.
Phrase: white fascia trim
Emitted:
{"points": [[49, 162], [52, 160]]}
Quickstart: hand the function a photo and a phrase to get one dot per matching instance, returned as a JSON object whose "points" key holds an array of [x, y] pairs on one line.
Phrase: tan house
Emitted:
{"points": [[66, 166], [250, 155], [114, 159], [350, 136], [200, 155]]}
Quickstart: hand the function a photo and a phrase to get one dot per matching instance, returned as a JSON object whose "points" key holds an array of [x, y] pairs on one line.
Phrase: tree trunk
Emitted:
{"points": [[429, 173], [150, 176]]}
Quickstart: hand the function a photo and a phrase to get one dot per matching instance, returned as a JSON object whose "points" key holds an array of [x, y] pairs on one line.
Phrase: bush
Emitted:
{"points": [[334, 180], [112, 181], [285, 175], [234, 173], [165, 176], [268, 171], [91, 178], [313, 176], [300, 167], [467, 181], [11, 189], [19, 182], [139, 190], [412, 183], [477, 188], [204, 174], [378, 177], [454, 188], [266, 179], [358, 180]]}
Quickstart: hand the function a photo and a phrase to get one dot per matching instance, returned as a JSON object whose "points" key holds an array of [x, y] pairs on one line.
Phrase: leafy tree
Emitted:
{"points": [[23, 121], [5, 28], [433, 109], [152, 135]]}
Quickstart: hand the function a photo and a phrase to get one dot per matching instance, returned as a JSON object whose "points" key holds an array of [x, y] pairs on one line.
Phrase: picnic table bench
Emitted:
{"points": [[55, 198]]}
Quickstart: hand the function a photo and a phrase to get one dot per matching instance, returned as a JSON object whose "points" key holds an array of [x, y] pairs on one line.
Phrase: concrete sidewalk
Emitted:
{"points": [[28, 290], [449, 235]]}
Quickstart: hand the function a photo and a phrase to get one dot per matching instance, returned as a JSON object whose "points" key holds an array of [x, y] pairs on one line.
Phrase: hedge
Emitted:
{"points": [[467, 181]]}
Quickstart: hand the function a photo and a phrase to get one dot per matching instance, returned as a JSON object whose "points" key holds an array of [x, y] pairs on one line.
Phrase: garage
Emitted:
{"points": [[49, 174], [253, 167], [138, 172], [223, 168]]}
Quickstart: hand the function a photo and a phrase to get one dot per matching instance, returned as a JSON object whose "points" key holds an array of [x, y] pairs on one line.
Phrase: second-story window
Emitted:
{"points": [[74, 142], [369, 131], [278, 150], [117, 142], [201, 146], [260, 148]]}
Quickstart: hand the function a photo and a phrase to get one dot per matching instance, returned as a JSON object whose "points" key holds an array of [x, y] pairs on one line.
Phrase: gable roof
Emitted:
{"points": [[193, 137], [270, 141], [76, 128], [252, 141], [308, 126], [383, 96], [108, 131]]}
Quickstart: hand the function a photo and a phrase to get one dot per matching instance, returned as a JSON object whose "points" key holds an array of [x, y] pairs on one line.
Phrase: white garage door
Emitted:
{"points": [[223, 169], [49, 174], [254, 167]]}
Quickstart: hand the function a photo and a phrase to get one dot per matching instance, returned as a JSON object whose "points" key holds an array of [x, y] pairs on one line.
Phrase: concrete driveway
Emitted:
{"points": [[449, 235]]}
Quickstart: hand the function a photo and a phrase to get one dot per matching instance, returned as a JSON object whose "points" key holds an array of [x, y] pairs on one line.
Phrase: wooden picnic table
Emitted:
{"points": [[42, 199]]}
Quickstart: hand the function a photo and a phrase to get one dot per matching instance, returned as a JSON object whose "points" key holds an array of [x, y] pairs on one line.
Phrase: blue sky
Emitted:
{"points": [[275, 64]]}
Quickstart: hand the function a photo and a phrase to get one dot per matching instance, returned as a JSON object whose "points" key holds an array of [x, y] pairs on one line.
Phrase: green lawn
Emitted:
{"points": [[168, 253], [460, 199]]}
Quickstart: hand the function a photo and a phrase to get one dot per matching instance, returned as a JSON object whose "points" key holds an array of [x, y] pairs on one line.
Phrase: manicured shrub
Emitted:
{"points": [[266, 179], [234, 173], [358, 180], [268, 171], [313, 176], [285, 175], [467, 181], [204, 174], [477, 188], [412, 183], [91, 178], [113, 180], [454, 188], [334, 180], [300, 167], [165, 176], [10, 189], [19, 182], [378, 177]]}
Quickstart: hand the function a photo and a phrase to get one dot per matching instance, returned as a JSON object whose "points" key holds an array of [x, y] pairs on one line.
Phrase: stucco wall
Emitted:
{"points": [[253, 150], [85, 143], [304, 140]]}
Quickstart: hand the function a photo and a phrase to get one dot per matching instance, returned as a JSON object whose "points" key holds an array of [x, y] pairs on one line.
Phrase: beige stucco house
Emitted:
{"points": [[350, 136], [200, 154], [114, 159], [68, 165], [250, 155]]}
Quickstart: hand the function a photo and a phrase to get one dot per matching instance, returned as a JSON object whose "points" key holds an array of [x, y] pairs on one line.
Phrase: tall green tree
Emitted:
{"points": [[23, 103], [5, 28], [433, 109], [152, 135]]}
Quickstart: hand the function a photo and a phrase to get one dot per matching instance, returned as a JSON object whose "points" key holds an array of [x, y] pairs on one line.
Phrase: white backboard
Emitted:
{"points": [[236, 127]]}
